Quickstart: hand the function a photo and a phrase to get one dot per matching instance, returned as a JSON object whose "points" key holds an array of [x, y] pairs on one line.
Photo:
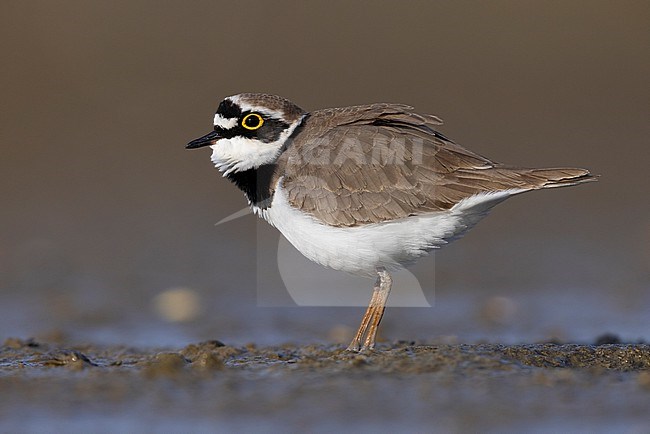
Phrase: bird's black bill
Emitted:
{"points": [[207, 140]]}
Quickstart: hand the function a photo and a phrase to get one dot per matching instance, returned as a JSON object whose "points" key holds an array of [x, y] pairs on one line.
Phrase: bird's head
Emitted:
{"points": [[250, 130]]}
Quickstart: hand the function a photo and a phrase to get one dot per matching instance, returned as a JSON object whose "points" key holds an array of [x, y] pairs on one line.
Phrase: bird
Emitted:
{"points": [[364, 189]]}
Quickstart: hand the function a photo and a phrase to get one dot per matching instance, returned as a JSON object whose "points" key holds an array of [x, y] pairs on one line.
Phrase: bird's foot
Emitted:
{"points": [[356, 347]]}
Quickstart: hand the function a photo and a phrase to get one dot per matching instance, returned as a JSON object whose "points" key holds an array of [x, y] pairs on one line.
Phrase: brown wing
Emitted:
{"points": [[370, 164]]}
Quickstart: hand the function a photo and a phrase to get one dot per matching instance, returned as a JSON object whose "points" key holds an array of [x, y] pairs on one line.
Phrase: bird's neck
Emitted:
{"points": [[256, 183]]}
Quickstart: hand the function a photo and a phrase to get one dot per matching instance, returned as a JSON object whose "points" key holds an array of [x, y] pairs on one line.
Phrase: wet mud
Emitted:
{"points": [[210, 386]]}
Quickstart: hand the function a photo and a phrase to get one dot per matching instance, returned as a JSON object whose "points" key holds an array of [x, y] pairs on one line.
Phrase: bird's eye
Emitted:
{"points": [[252, 121]]}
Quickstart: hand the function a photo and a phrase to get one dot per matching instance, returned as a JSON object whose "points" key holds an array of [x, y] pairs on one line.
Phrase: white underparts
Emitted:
{"points": [[360, 249]]}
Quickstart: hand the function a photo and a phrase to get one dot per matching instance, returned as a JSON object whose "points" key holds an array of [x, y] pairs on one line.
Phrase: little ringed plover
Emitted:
{"points": [[364, 189]]}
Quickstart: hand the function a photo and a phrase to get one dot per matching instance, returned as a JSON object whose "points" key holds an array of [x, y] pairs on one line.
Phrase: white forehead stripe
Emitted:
{"points": [[225, 123], [256, 108]]}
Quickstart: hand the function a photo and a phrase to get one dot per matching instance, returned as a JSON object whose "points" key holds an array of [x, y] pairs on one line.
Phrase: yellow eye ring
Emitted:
{"points": [[252, 121]]}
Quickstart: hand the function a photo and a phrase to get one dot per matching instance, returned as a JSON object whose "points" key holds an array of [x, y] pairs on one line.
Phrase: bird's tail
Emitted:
{"points": [[559, 177]]}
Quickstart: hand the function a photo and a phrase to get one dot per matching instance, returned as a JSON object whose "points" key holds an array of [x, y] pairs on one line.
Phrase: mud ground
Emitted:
{"points": [[400, 387]]}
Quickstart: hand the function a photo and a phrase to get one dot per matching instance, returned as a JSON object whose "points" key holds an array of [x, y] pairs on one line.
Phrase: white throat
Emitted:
{"points": [[240, 153]]}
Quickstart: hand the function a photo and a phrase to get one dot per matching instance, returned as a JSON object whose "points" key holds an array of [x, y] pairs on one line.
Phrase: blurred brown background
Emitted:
{"points": [[103, 208]]}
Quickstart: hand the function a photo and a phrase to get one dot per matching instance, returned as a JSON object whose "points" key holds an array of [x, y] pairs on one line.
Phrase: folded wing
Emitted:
{"points": [[370, 164]]}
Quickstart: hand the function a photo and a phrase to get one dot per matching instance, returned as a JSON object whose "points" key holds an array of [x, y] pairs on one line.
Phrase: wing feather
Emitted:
{"points": [[369, 164]]}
